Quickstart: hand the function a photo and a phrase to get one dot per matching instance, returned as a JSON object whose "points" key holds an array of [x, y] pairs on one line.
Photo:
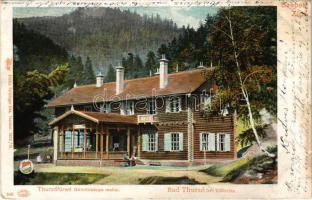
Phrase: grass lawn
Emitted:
{"points": [[50, 174], [258, 164], [158, 180], [56, 178], [224, 169]]}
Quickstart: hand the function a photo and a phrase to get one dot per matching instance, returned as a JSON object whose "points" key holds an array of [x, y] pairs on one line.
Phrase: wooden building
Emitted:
{"points": [[157, 118]]}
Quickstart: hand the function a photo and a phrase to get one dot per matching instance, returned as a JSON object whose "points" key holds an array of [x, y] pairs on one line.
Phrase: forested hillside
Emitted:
{"points": [[254, 28], [105, 34]]}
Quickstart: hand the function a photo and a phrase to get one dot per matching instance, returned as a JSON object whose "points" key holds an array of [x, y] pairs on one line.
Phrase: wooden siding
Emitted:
{"points": [[166, 155], [214, 125]]}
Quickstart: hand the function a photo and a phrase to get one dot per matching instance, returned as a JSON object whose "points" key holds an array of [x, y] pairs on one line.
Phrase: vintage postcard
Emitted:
{"points": [[155, 99]]}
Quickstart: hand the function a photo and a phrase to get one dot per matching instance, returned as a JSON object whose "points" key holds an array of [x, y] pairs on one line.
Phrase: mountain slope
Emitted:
{"points": [[34, 51], [105, 34]]}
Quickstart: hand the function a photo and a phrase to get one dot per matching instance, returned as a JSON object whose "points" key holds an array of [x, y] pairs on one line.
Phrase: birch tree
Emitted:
{"points": [[247, 78]]}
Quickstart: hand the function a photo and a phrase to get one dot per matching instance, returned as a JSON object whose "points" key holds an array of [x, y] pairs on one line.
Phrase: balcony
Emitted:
{"points": [[144, 119]]}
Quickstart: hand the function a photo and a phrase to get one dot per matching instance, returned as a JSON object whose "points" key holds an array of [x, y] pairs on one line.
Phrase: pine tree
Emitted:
{"points": [[151, 62], [110, 76], [138, 65], [88, 72], [79, 71]]}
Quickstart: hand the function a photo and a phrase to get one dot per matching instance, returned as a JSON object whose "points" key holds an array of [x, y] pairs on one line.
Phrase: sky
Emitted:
{"points": [[180, 15]]}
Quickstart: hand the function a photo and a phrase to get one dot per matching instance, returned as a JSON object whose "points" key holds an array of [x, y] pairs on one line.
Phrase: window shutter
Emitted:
{"points": [[218, 142], [156, 141], [211, 142], [144, 142], [167, 142], [201, 141], [167, 105], [181, 141], [227, 142]]}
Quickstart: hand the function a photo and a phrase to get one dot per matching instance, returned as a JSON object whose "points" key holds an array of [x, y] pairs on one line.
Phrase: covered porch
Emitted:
{"points": [[95, 136]]}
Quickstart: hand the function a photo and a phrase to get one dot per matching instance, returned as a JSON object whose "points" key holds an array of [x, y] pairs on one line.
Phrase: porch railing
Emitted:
{"points": [[91, 155]]}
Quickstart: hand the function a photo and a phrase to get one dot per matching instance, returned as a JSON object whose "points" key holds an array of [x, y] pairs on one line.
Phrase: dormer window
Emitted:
{"points": [[205, 98], [151, 107], [105, 107], [173, 104], [127, 108], [87, 108]]}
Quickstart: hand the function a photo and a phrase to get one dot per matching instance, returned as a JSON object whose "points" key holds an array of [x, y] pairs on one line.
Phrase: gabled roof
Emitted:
{"points": [[178, 83], [97, 117]]}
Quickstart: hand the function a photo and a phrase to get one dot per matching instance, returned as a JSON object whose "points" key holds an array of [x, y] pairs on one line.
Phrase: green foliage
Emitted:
{"points": [[35, 51], [88, 76], [224, 169], [254, 30], [159, 180], [39, 178], [30, 92], [262, 164], [230, 171], [151, 62], [247, 137], [111, 75], [133, 66]]}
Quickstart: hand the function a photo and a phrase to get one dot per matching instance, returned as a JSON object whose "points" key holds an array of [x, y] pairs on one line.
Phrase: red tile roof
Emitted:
{"points": [[98, 117], [178, 83]]}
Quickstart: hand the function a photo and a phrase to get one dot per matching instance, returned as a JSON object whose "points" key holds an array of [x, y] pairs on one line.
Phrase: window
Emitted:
{"points": [[105, 107], [215, 141], [173, 104], [127, 108], [88, 108], [67, 141], [151, 107], [130, 108], [173, 141], [221, 142], [152, 142], [149, 139], [204, 141]]}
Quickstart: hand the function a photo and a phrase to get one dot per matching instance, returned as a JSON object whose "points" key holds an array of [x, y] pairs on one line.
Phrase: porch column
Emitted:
{"points": [[61, 143], [139, 143], [101, 144], [96, 141], [84, 142], [107, 142], [55, 143], [128, 141], [72, 143]]}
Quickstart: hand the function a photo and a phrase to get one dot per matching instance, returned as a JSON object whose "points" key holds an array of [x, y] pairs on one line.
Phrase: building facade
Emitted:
{"points": [[157, 118]]}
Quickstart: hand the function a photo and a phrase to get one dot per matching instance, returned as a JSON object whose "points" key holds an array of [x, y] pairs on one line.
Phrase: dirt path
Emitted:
{"points": [[131, 175]]}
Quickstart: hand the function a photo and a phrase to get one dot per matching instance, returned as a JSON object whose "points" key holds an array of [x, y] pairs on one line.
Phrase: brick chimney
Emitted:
{"points": [[163, 72], [120, 74], [99, 80]]}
